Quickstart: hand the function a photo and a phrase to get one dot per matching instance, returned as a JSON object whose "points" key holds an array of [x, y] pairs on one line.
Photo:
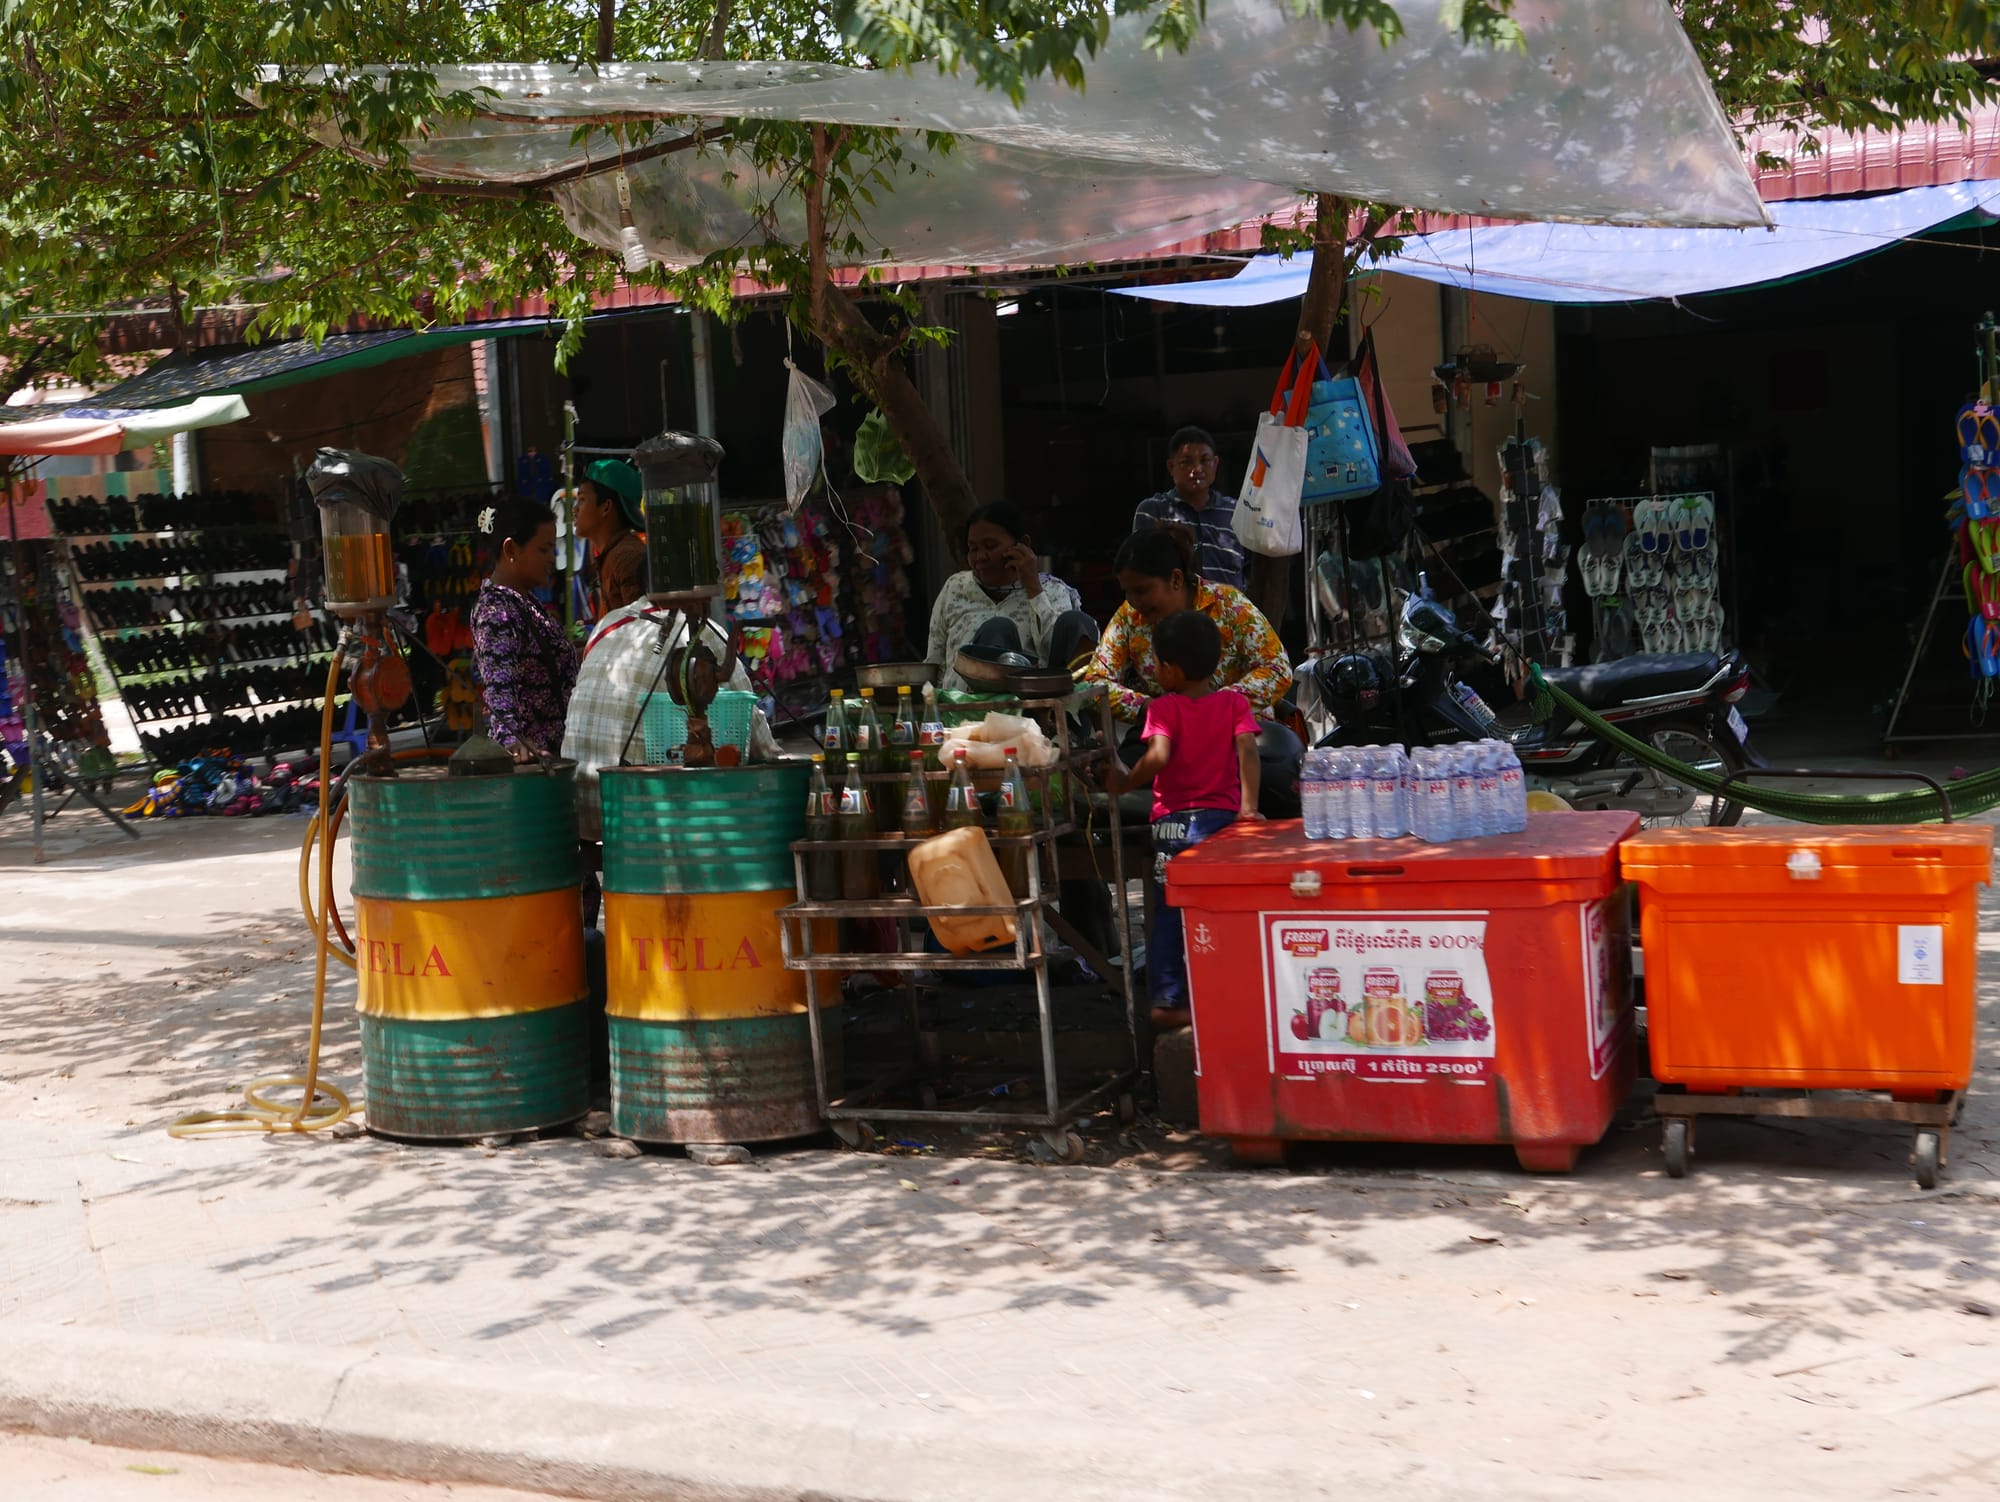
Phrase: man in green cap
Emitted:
{"points": [[609, 517]]}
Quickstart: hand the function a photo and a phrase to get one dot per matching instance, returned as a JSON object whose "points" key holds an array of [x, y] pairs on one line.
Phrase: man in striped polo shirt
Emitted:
{"points": [[1194, 502]]}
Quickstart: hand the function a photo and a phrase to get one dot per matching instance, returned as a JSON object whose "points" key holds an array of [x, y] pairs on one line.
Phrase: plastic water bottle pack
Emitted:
{"points": [[1437, 793]]}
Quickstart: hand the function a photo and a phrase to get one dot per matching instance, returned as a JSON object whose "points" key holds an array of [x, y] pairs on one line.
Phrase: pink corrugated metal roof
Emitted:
{"points": [[1881, 161]]}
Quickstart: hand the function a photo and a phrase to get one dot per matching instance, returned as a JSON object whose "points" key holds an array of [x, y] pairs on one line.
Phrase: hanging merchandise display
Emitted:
{"points": [[42, 657], [878, 578], [811, 596], [1534, 558]]}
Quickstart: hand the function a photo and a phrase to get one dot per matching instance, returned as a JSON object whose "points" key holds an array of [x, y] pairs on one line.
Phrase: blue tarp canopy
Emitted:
{"points": [[1583, 263]]}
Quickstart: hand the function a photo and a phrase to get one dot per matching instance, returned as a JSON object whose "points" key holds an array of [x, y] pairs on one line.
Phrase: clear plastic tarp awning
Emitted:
{"points": [[1605, 116], [1580, 263]]}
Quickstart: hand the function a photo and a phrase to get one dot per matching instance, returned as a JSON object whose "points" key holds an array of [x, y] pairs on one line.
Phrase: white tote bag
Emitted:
{"points": [[1268, 519]]}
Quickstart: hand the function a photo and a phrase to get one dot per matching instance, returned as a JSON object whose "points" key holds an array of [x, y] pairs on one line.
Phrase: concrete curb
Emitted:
{"points": [[619, 1440]]}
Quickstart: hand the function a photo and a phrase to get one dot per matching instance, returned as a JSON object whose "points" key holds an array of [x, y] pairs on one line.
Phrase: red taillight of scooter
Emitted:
{"points": [[1738, 688]]}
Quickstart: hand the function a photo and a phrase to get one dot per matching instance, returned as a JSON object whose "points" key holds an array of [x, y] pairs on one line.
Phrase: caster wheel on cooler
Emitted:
{"points": [[858, 1135], [1929, 1153], [1674, 1144]]}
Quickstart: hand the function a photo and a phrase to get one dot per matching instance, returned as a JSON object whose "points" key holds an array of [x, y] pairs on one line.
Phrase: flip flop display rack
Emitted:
{"points": [[191, 601], [1652, 566], [1971, 568], [1974, 516]]}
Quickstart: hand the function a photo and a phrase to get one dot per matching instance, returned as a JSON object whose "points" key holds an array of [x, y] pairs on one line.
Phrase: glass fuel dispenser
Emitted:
{"points": [[683, 516], [358, 495], [684, 567]]}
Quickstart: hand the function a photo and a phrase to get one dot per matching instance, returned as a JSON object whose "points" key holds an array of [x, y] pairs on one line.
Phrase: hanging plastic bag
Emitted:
{"points": [[1268, 519], [806, 402], [878, 458]]}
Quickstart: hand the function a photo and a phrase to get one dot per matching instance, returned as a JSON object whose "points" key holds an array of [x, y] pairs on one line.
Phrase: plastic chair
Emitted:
{"points": [[352, 734]]}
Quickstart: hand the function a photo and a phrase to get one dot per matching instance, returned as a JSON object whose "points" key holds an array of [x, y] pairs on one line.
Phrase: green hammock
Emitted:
{"points": [[1970, 795]]}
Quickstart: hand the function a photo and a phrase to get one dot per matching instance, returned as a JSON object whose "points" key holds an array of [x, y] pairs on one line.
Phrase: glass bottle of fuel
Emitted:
{"points": [[903, 733], [1015, 817], [930, 731], [822, 823], [860, 870], [833, 739], [961, 803], [864, 733], [917, 818]]}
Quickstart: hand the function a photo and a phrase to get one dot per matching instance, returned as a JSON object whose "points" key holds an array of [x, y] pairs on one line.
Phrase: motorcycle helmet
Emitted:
{"points": [[1350, 680]]}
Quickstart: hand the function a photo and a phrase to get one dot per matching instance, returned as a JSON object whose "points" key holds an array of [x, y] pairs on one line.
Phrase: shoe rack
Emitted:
{"points": [[193, 605]]}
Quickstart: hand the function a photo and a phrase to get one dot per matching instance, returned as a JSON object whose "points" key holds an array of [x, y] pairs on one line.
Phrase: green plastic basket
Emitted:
{"points": [[667, 725]]}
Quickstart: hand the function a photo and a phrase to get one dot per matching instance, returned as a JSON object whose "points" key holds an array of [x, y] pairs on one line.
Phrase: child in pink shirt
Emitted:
{"points": [[1201, 758]]}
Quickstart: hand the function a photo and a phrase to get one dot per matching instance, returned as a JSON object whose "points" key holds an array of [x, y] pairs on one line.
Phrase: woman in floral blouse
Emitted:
{"points": [[525, 661], [1156, 569]]}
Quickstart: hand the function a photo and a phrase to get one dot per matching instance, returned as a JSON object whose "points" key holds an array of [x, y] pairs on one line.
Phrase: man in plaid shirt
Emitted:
{"points": [[619, 666], [1193, 501]]}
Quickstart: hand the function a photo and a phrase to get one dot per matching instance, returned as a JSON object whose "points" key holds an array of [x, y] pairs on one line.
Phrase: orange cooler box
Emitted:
{"points": [[1811, 957], [1394, 991]]}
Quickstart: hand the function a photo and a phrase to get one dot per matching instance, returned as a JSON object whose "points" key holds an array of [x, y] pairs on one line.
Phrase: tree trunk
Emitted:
{"points": [[718, 31], [1269, 580], [875, 360], [1326, 286], [607, 29]]}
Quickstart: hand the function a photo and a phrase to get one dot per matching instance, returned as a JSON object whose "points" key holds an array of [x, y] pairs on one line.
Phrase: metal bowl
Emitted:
{"points": [[895, 675], [989, 667]]}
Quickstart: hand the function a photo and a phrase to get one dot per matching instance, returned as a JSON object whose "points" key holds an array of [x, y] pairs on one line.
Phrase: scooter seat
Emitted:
{"points": [[1607, 685]]}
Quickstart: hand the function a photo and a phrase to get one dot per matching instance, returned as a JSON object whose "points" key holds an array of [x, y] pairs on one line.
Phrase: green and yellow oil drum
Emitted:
{"points": [[469, 945], [709, 1036]]}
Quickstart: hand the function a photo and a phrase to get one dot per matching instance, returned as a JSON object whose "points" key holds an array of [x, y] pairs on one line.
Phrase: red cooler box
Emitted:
{"points": [[1394, 991]]}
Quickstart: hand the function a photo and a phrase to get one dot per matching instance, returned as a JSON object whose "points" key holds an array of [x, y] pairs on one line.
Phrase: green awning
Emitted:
{"points": [[270, 367]]}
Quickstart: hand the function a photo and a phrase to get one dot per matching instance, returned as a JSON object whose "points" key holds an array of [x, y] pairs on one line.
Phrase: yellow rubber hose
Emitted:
{"points": [[318, 1106], [315, 924]]}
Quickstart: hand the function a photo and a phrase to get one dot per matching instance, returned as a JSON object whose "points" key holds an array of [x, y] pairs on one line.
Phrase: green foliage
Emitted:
{"points": [[134, 170], [1809, 66]]}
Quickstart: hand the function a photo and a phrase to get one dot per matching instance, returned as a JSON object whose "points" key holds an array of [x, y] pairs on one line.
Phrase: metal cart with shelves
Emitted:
{"points": [[909, 1094]]}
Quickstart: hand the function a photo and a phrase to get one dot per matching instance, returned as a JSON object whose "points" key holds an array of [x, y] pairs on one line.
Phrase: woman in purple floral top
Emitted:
{"points": [[525, 661]]}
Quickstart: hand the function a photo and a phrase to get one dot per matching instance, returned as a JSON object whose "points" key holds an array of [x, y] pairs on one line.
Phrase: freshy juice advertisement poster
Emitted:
{"points": [[1396, 998]]}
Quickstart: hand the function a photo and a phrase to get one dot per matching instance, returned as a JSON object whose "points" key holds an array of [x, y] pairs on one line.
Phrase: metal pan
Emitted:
{"points": [[895, 675], [1042, 683]]}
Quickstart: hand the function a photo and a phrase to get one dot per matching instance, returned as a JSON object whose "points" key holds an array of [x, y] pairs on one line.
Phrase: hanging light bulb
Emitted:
{"points": [[637, 257]]}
